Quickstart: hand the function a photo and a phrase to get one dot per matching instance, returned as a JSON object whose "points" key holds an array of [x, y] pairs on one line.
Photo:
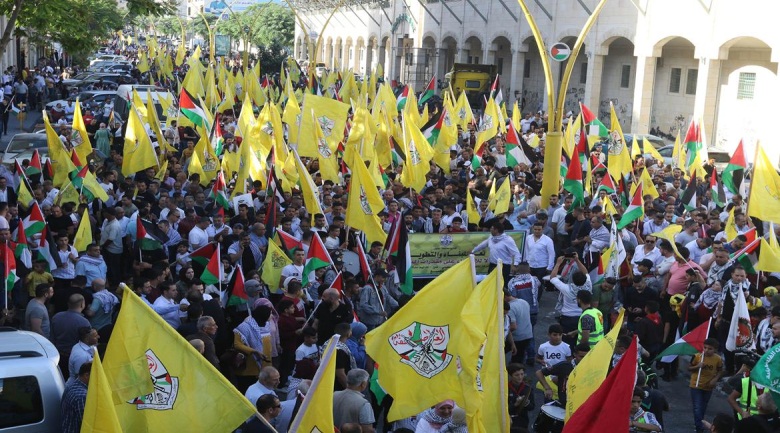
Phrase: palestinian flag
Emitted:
{"points": [[689, 344], [191, 110], [399, 256], [22, 250], [34, 223], [385, 178], [219, 192], [635, 209], [515, 150], [735, 171], [597, 165], [747, 255], [316, 258], [365, 268], [583, 147], [148, 235], [476, 160], [213, 272], [48, 170], [716, 190], [592, 123], [200, 257], [572, 182], [688, 198], [9, 269], [47, 250], [273, 186], [79, 182], [607, 184], [498, 97], [400, 102], [428, 93], [375, 387], [74, 158], [693, 147], [35, 169], [287, 242], [216, 137], [236, 294], [433, 127]]}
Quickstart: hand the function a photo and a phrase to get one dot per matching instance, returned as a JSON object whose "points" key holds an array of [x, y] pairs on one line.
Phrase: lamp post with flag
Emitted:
{"points": [[554, 142]]}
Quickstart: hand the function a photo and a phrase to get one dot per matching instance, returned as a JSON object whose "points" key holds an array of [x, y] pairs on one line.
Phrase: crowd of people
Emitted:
{"points": [[269, 345]]}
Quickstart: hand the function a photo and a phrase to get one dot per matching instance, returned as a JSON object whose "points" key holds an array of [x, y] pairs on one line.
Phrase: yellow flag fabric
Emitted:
{"points": [[489, 127], [332, 117], [139, 153], [83, 234], [649, 148], [275, 260], [193, 82], [292, 113], [483, 319], [619, 160], [310, 192], [60, 160], [209, 163], [329, 164], [418, 156], [678, 154], [180, 53], [316, 411], [731, 226], [647, 185], [765, 191], [635, 151], [364, 204], [99, 412], [668, 234], [246, 119], [386, 100], [503, 197], [591, 371], [24, 194], [463, 111], [68, 194], [158, 379], [418, 347], [471, 208], [79, 137], [516, 117], [769, 259], [210, 88], [139, 105]]}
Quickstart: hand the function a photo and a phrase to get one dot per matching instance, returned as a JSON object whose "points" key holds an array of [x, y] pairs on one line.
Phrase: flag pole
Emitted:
{"points": [[701, 363], [6, 271], [752, 173]]}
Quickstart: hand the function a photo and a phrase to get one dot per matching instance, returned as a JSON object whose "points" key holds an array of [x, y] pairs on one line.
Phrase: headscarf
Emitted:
{"points": [[273, 324], [433, 418]]}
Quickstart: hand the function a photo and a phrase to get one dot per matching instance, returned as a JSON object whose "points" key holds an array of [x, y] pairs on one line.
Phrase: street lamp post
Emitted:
{"points": [[554, 142]]}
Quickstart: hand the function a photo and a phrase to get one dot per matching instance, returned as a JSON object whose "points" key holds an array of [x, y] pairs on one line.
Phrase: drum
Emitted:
{"points": [[351, 262], [550, 419]]}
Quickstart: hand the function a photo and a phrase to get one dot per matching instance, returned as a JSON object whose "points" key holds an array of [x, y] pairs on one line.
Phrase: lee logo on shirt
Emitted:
{"points": [[555, 355]]}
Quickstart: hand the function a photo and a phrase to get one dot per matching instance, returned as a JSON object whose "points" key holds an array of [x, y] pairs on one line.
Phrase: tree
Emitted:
{"points": [[77, 24], [271, 57], [274, 24], [198, 27]]}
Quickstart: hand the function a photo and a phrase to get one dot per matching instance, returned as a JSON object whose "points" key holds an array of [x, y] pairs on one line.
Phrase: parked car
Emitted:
{"points": [[31, 384], [107, 57], [22, 146], [720, 157]]}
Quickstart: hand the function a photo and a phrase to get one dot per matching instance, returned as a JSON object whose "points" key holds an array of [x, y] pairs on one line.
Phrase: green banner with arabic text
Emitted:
{"points": [[432, 254]]}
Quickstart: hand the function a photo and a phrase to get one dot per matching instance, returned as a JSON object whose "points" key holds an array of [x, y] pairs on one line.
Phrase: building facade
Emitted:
{"points": [[661, 63]]}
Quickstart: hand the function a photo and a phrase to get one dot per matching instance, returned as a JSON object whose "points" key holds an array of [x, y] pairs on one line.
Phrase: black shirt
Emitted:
{"points": [[561, 371], [327, 321]]}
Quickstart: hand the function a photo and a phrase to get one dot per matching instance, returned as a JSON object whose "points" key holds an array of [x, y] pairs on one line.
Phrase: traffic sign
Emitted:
{"points": [[560, 52]]}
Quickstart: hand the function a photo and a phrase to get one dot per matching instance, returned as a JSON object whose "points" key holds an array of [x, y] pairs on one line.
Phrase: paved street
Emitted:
{"points": [[679, 419]]}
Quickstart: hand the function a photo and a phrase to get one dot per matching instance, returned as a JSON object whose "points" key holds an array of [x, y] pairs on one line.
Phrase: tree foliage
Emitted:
{"points": [[268, 24]]}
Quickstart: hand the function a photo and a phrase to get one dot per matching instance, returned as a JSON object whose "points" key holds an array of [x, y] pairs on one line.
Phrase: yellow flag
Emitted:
{"points": [[364, 204], [79, 137], [204, 161], [229, 97], [162, 172], [463, 111], [180, 53], [329, 165], [769, 259], [471, 208], [591, 371], [668, 234], [678, 154], [310, 192], [193, 81], [332, 117], [489, 127], [418, 156], [292, 113], [423, 117], [316, 411], [158, 378], [210, 88], [503, 197], [59, 158], [765, 191], [649, 148], [635, 151], [608, 206], [647, 185], [385, 100], [516, 117], [99, 412], [492, 195], [68, 194], [24, 195], [246, 119], [139, 105], [139, 153], [483, 319], [275, 260], [417, 348], [731, 226], [83, 234], [619, 160]]}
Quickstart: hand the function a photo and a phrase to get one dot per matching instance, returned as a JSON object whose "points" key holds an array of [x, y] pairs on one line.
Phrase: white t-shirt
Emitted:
{"points": [[293, 270], [552, 355]]}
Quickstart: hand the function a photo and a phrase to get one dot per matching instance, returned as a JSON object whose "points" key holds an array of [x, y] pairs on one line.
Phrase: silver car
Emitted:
{"points": [[23, 145]]}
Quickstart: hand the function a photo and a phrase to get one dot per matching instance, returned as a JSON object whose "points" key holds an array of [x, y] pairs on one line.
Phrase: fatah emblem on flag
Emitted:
{"points": [[448, 119], [75, 138], [323, 148], [171, 112], [327, 125], [364, 202], [414, 154], [462, 113], [615, 143], [487, 122], [209, 164], [267, 128], [166, 387], [423, 347]]}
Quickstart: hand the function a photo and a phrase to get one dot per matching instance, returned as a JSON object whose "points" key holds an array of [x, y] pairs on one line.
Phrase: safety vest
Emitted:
{"points": [[748, 387], [597, 334]]}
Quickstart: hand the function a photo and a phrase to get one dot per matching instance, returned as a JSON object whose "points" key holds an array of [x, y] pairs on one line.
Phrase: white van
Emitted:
{"points": [[108, 58], [31, 384]]}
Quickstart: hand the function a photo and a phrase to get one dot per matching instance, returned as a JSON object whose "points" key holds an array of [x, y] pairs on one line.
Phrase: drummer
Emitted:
{"points": [[561, 371]]}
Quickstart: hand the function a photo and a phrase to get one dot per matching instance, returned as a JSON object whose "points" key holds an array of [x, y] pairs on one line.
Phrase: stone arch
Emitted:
{"points": [[658, 46], [358, 63], [473, 34], [472, 49], [602, 45], [429, 35], [501, 34], [750, 42], [448, 35], [526, 40]]}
